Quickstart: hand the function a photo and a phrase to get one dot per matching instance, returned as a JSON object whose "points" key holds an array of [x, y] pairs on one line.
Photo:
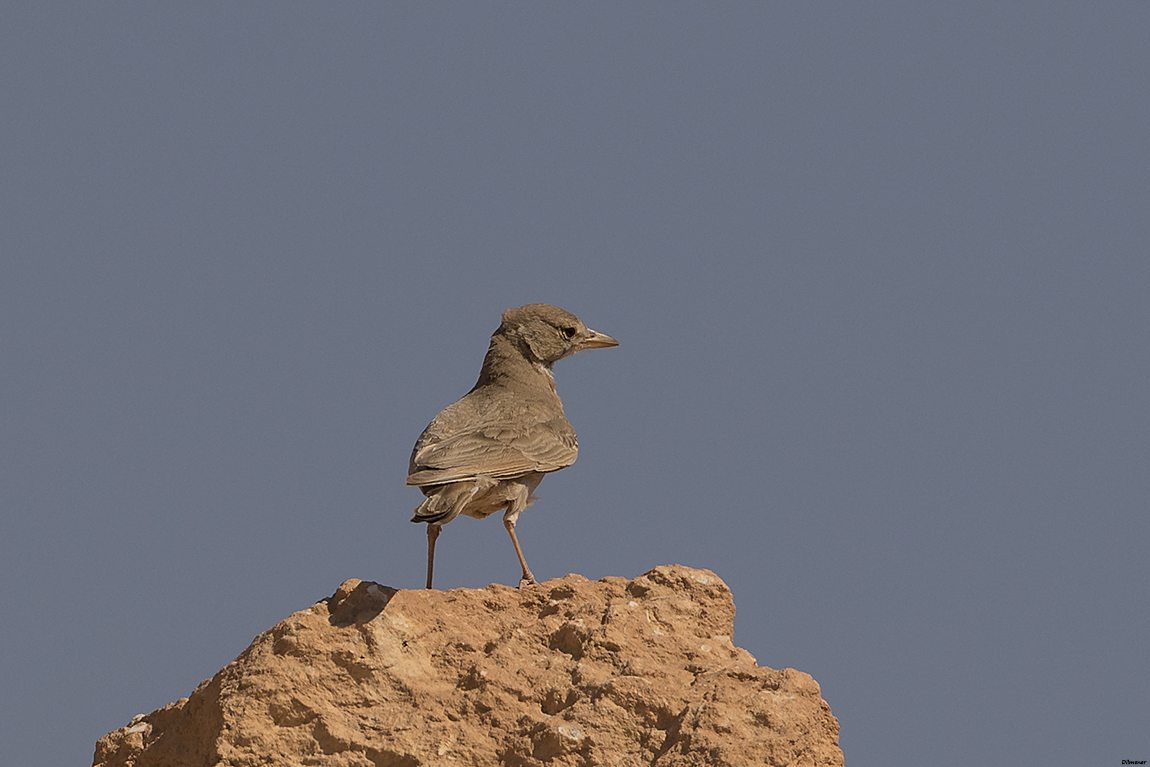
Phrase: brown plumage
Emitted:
{"points": [[489, 451]]}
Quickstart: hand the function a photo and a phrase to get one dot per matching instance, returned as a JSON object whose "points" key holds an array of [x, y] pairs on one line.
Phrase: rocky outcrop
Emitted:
{"points": [[567, 672]]}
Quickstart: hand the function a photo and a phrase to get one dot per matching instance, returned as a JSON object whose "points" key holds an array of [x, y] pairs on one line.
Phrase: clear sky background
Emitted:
{"points": [[880, 272]]}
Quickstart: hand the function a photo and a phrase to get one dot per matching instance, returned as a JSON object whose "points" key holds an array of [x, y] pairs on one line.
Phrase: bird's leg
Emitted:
{"points": [[528, 578], [432, 534]]}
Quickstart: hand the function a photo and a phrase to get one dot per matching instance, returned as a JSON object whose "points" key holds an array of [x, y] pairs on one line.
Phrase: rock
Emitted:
{"points": [[567, 672]]}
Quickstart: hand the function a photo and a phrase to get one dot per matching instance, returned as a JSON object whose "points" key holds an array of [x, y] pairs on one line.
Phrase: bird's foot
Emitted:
{"points": [[527, 580]]}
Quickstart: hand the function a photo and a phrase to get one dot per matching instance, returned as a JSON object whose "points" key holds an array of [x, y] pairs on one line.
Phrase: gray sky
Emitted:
{"points": [[879, 271]]}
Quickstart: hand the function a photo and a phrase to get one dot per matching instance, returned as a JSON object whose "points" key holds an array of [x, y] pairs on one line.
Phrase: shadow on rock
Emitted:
{"points": [[357, 601]]}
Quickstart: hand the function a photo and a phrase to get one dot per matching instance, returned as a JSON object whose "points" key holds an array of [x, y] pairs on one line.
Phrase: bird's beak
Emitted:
{"points": [[596, 340]]}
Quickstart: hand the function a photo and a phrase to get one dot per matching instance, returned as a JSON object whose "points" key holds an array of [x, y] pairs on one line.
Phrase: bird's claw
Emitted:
{"points": [[527, 580]]}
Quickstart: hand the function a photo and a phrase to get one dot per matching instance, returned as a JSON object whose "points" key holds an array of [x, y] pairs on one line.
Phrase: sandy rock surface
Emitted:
{"points": [[567, 672]]}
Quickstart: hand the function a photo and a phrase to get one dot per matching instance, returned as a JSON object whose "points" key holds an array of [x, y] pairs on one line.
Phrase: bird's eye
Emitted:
{"points": [[569, 332]]}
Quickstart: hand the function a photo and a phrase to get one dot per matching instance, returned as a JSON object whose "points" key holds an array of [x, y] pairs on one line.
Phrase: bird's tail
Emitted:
{"points": [[444, 503]]}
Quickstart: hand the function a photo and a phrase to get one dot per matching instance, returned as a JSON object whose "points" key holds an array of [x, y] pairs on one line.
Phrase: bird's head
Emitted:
{"points": [[547, 334]]}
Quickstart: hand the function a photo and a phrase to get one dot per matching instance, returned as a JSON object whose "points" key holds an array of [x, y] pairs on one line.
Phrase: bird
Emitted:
{"points": [[489, 450]]}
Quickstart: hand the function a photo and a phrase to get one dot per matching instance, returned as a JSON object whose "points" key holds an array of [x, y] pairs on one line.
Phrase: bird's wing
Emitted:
{"points": [[499, 452]]}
